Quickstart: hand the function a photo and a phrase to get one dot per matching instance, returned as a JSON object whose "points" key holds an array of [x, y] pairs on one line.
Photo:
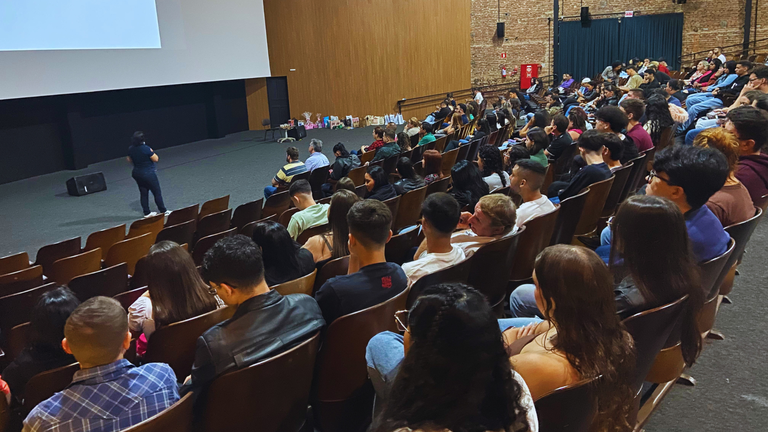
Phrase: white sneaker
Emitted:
{"points": [[167, 213], [150, 214]]}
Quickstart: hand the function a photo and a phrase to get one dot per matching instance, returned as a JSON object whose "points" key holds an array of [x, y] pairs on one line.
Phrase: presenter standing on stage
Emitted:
{"points": [[145, 173]]}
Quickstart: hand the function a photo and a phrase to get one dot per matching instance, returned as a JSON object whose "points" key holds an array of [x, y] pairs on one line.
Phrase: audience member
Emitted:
{"points": [[715, 99], [494, 217], [390, 148], [449, 371], [433, 165], [634, 79], [613, 149], [283, 259], [409, 180], [316, 157], [537, 141], [540, 119], [637, 93], [284, 177], [561, 140], [345, 183], [513, 154], [468, 184], [591, 150], [377, 183], [492, 167], [371, 279], [378, 140], [404, 142], [310, 214], [477, 96], [345, 162], [43, 350], [750, 126], [610, 73], [635, 110], [413, 126], [658, 117], [438, 116], [426, 134], [675, 96], [609, 97], [453, 126], [108, 393], [265, 323], [577, 122], [732, 203], [613, 120], [333, 244], [650, 82], [526, 181]]}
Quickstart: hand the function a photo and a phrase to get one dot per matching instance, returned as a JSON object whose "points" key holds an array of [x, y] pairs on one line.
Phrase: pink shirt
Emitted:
{"points": [[640, 137]]}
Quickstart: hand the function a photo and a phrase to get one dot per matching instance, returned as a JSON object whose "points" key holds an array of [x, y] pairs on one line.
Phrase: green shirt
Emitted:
{"points": [[541, 158], [309, 217], [388, 150], [426, 139]]}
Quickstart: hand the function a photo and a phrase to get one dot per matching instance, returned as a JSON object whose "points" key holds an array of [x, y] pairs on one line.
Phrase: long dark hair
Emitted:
{"points": [[175, 286], [658, 116], [48, 318], [578, 117], [539, 138], [404, 141], [492, 162], [541, 119], [341, 202], [379, 177], [466, 178], [405, 168], [279, 250], [589, 332], [339, 147], [660, 260], [482, 125], [456, 375]]}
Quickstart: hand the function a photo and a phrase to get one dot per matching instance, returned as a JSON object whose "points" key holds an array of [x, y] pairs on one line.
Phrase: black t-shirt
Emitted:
{"points": [[274, 276], [630, 149], [586, 176], [662, 77], [371, 285], [558, 145]]}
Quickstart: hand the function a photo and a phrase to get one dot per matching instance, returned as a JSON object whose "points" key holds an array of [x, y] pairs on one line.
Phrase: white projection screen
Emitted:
{"points": [[51, 47]]}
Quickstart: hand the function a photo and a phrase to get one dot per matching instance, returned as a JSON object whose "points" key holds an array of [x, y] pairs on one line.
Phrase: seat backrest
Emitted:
{"points": [[318, 177], [213, 206], [563, 164], [285, 217], [153, 224], [440, 185], [127, 298], [247, 230], [367, 157], [51, 253], [414, 140], [248, 212], [463, 152], [176, 418], [400, 245], [280, 384], [129, 251], [549, 177], [361, 191], [712, 270], [108, 282], [276, 204], [14, 263], [390, 163], [310, 232], [489, 272], [650, 329], [214, 223], [331, 269], [66, 269], [180, 233], [45, 384], [448, 161], [357, 175], [418, 153], [536, 237], [570, 212], [301, 176], [409, 211], [741, 233], [17, 339], [593, 207], [16, 308], [439, 144], [205, 243], [302, 285], [635, 177], [571, 408], [620, 177], [458, 272], [762, 202], [182, 215], [394, 205], [474, 146], [104, 239], [21, 280], [175, 343]]}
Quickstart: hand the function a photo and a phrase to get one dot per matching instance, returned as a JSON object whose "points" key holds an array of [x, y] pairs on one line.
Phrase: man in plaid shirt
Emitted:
{"points": [[108, 393]]}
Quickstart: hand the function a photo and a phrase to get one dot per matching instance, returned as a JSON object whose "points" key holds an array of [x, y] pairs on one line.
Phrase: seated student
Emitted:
{"points": [[675, 95], [426, 134], [283, 259], [333, 244], [513, 154], [468, 184], [749, 124], [449, 324], [453, 126], [561, 139], [440, 213], [492, 167], [581, 337], [412, 127], [613, 149], [377, 183], [658, 115], [689, 176], [345, 183], [390, 147], [732, 203], [176, 292], [409, 180], [608, 98], [442, 112], [43, 350], [310, 213], [634, 79], [433, 166], [613, 120], [378, 141], [345, 162], [591, 150], [265, 323], [635, 110], [649, 81], [108, 393], [526, 180], [708, 102], [371, 279], [316, 157], [284, 177], [577, 122], [404, 142]]}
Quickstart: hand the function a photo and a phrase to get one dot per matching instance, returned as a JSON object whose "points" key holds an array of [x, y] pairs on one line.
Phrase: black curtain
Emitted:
{"points": [[587, 51]]}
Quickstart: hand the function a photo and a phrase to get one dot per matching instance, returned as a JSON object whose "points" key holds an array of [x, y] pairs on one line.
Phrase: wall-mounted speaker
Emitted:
{"points": [[500, 30], [586, 20]]}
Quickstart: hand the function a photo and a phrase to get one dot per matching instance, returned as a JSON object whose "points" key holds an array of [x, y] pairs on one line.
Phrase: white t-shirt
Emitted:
{"points": [[470, 242], [479, 98], [722, 58], [431, 262], [531, 209], [494, 181]]}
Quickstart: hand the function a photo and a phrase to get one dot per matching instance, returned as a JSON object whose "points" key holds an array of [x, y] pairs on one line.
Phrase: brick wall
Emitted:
{"points": [[528, 38]]}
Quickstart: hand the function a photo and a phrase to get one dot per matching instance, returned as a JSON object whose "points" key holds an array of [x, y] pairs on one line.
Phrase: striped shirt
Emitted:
{"points": [[107, 398], [286, 173]]}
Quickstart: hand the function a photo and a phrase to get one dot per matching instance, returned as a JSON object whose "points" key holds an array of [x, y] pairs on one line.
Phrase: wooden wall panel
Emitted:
{"points": [[256, 98], [358, 57]]}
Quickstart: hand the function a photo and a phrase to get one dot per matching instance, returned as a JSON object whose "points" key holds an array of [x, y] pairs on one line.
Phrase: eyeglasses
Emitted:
{"points": [[401, 318], [653, 174], [212, 290]]}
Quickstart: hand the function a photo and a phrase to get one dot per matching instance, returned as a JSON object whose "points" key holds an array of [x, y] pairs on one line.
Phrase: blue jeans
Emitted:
{"points": [[383, 356], [522, 302], [147, 181], [605, 236], [695, 98], [505, 323], [694, 111], [269, 191]]}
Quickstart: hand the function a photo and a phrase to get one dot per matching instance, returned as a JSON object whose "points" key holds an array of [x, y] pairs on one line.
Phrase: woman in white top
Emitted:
{"points": [[176, 291], [492, 167], [413, 127], [449, 371]]}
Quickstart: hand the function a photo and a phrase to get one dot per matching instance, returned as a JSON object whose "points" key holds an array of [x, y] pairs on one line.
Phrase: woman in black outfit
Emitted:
{"points": [[145, 173], [377, 183], [345, 162], [409, 179], [468, 184], [284, 259]]}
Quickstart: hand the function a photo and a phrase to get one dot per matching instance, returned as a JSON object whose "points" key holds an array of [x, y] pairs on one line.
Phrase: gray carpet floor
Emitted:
{"points": [[732, 389]]}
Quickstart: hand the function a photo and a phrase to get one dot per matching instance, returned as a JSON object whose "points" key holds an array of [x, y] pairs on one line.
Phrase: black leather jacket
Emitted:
{"points": [[262, 327], [344, 165]]}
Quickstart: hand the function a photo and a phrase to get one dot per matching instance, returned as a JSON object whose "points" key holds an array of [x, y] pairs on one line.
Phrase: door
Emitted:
{"points": [[277, 97]]}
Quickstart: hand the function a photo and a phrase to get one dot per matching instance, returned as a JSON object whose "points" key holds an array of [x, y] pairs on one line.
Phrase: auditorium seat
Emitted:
{"points": [[593, 207], [127, 298], [45, 384], [302, 285], [409, 211], [176, 418], [181, 233], [247, 230], [248, 212], [213, 206], [361, 191], [357, 175], [17, 339], [458, 272], [390, 164], [636, 177], [536, 237], [205, 243], [276, 204], [48, 254], [740, 233], [440, 185], [285, 217], [21, 280], [214, 223], [183, 215], [104, 239], [569, 408], [14, 263], [401, 245], [129, 251], [489, 272], [570, 212], [16, 308], [153, 225], [107, 282], [448, 161], [330, 269], [66, 269], [394, 205], [620, 177], [366, 157], [310, 232], [316, 180]]}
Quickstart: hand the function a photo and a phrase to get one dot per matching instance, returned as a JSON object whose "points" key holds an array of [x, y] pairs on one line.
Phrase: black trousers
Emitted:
{"points": [[147, 181]]}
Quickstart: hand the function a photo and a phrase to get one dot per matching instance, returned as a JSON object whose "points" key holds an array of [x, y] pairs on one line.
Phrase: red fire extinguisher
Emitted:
{"points": [[503, 72]]}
